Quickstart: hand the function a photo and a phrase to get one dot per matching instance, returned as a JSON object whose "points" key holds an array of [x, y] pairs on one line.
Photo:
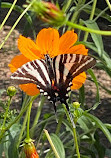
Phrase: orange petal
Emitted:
{"points": [[67, 40], [48, 41], [28, 48], [78, 81], [30, 89], [78, 49], [17, 62]]}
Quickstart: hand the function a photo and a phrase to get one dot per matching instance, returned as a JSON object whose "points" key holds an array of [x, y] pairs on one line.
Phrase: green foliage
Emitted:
{"points": [[9, 142]]}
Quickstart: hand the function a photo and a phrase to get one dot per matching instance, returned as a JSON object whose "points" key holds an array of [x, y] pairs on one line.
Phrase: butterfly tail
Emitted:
{"points": [[70, 116], [71, 119]]}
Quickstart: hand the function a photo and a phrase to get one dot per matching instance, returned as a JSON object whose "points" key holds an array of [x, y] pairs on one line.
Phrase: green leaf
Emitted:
{"points": [[106, 89], [108, 152], [1, 149], [68, 125], [10, 141], [85, 123], [97, 88], [105, 68], [98, 146], [82, 95], [58, 145], [100, 125], [88, 152], [98, 42], [96, 38], [105, 60], [108, 126]]}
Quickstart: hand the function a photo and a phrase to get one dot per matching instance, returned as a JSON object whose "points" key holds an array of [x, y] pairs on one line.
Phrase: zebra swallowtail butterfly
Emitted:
{"points": [[53, 76]]}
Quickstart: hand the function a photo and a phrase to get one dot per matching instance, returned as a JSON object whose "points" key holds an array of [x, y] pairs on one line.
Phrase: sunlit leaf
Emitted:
{"points": [[10, 146], [58, 145]]}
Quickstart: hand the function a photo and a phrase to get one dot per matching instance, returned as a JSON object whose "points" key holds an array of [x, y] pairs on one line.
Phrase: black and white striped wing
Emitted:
{"points": [[33, 72], [68, 66]]}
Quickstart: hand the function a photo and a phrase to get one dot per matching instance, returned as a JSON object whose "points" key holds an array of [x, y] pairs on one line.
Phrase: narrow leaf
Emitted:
{"points": [[58, 145], [90, 71], [100, 125]]}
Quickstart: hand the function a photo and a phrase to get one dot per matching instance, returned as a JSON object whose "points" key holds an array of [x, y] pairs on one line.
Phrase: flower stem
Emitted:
{"points": [[76, 142], [22, 130], [67, 5], [77, 12], [25, 101], [91, 17], [73, 25], [51, 143], [5, 116], [41, 103], [74, 133], [8, 14], [109, 4], [28, 120]]}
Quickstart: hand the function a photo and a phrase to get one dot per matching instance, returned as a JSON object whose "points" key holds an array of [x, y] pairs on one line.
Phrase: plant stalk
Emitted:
{"points": [[91, 17], [41, 103], [76, 142], [83, 28], [13, 27], [109, 4], [22, 130], [74, 132], [67, 6], [28, 120], [8, 14]]}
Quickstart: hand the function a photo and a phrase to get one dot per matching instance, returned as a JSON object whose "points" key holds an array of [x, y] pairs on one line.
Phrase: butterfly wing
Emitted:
{"points": [[65, 67], [34, 72], [68, 66]]}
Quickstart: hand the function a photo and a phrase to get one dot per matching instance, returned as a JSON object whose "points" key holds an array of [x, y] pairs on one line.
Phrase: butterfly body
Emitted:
{"points": [[53, 76]]}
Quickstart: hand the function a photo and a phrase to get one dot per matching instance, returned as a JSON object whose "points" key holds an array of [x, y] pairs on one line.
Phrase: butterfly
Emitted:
{"points": [[53, 76]]}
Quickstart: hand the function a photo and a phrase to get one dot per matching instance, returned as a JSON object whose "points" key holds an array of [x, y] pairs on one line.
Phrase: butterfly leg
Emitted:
{"points": [[54, 105]]}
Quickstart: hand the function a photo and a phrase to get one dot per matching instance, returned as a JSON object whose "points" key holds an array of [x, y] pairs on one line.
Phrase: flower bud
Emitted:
{"points": [[11, 91], [49, 12], [76, 105], [30, 150]]}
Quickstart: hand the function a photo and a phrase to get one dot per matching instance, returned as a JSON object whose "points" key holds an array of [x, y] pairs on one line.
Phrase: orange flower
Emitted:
{"points": [[30, 150], [48, 42]]}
